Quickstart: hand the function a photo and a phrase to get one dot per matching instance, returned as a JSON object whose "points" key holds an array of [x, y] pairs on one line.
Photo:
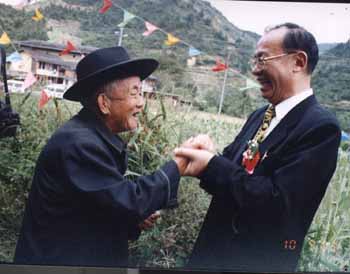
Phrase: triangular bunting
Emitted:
{"points": [[29, 81], [219, 66], [5, 39], [106, 6], [172, 40], [127, 17], [14, 57], [150, 29], [345, 136], [44, 98], [193, 52], [250, 84], [38, 15], [69, 47]]}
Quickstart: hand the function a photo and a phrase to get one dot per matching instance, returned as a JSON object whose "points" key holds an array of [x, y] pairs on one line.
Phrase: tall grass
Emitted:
{"points": [[169, 243]]}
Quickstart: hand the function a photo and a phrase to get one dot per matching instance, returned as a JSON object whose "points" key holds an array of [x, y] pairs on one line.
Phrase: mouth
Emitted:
{"points": [[136, 114], [265, 84]]}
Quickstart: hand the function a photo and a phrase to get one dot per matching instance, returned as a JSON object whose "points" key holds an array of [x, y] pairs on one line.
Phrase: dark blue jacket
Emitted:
{"points": [[258, 222], [81, 210]]}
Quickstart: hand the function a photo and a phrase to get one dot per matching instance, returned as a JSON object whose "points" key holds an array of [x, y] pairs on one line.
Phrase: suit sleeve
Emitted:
{"points": [[287, 180], [93, 173]]}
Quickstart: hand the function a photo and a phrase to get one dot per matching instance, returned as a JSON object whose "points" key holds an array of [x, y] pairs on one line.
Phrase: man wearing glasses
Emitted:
{"points": [[269, 182], [81, 209]]}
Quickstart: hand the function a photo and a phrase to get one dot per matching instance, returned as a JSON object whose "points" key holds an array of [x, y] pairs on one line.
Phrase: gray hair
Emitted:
{"points": [[91, 101]]}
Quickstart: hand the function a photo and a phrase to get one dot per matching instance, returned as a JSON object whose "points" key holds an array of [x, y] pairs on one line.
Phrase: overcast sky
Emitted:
{"points": [[329, 22]]}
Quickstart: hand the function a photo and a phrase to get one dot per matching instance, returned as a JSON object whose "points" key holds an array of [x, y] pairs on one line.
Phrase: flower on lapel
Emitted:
{"points": [[251, 156]]}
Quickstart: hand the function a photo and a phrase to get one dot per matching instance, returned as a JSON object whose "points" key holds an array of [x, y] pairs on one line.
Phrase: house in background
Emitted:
{"points": [[43, 60]]}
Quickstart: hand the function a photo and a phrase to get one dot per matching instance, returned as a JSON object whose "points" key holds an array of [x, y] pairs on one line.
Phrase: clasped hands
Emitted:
{"points": [[193, 156]]}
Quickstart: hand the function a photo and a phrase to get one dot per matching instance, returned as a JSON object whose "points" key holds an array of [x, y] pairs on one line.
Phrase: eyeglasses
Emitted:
{"points": [[260, 62]]}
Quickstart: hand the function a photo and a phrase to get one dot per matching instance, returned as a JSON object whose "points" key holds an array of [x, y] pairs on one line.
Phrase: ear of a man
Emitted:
{"points": [[103, 104], [300, 61]]}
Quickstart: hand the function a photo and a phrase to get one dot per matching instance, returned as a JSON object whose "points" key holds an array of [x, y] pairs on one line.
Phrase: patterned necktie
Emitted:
{"points": [[269, 114]]}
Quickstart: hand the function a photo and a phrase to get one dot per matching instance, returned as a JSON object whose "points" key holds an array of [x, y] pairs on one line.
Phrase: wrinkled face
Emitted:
{"points": [[122, 104], [275, 76]]}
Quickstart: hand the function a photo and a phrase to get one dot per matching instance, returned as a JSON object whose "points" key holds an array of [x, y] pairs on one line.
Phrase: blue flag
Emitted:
{"points": [[345, 136], [14, 57], [193, 52]]}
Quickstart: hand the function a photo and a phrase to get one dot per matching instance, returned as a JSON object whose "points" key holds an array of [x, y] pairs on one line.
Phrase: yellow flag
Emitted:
{"points": [[38, 15], [5, 39], [172, 40]]}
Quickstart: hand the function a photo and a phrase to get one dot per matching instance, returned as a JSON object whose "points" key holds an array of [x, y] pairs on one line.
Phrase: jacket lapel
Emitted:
{"points": [[281, 131]]}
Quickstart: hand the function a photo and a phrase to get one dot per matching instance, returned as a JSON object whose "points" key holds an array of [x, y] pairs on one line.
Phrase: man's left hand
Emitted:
{"points": [[150, 221]]}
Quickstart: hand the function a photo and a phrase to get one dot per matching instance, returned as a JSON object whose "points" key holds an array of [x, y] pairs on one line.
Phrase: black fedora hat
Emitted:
{"points": [[104, 65]]}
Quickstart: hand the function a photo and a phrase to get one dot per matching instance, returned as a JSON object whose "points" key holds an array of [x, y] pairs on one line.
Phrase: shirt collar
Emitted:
{"points": [[287, 105]]}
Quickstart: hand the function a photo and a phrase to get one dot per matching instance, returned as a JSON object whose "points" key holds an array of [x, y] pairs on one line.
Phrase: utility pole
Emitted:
{"points": [[120, 35], [224, 84]]}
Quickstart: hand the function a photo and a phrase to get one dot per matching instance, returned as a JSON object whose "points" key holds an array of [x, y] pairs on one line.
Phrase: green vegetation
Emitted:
{"points": [[327, 245], [19, 25]]}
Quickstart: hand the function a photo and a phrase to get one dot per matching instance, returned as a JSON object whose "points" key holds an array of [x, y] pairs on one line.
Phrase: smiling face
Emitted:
{"points": [[121, 104], [276, 76]]}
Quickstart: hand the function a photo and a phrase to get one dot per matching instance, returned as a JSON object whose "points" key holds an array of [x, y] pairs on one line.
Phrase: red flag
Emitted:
{"points": [[219, 66], [44, 98], [106, 5], [67, 49]]}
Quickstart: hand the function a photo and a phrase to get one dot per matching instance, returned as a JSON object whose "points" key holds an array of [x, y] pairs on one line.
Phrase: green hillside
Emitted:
{"points": [[197, 23], [19, 25], [332, 82]]}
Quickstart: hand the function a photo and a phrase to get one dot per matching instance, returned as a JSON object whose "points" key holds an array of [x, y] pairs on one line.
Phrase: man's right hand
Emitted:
{"points": [[201, 141], [197, 160]]}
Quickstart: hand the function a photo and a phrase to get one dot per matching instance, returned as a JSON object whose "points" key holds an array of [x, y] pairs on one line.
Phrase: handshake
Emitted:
{"points": [[193, 156]]}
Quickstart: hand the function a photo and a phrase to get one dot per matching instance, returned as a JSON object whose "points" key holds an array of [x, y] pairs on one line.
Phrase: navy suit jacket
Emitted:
{"points": [[258, 222], [81, 209]]}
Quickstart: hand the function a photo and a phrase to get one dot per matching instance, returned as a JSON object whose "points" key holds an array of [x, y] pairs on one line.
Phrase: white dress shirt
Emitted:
{"points": [[285, 106]]}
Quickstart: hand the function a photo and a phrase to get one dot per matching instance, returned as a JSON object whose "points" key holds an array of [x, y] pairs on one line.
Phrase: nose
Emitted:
{"points": [[256, 69], [141, 101]]}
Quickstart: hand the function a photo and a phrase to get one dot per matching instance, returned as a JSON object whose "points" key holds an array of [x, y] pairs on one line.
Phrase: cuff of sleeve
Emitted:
{"points": [[171, 172], [214, 177]]}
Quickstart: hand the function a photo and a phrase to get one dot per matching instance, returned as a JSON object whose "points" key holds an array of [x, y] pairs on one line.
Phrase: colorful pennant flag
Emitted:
{"points": [[149, 28], [106, 6], [69, 47], [127, 17], [250, 84], [172, 40], [5, 39], [29, 81], [14, 57], [44, 98], [38, 15], [219, 66], [193, 52], [345, 136]]}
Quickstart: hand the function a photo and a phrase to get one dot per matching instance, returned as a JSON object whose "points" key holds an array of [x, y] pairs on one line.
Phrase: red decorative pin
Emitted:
{"points": [[251, 156]]}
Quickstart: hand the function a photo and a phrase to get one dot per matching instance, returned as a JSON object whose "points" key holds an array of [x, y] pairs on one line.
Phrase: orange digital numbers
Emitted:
{"points": [[290, 244]]}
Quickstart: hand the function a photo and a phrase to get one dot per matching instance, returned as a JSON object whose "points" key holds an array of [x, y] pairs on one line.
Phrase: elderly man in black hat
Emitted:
{"points": [[81, 209]]}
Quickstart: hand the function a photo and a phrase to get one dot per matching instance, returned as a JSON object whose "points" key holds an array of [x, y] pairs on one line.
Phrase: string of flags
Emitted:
{"points": [[172, 40], [150, 28]]}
